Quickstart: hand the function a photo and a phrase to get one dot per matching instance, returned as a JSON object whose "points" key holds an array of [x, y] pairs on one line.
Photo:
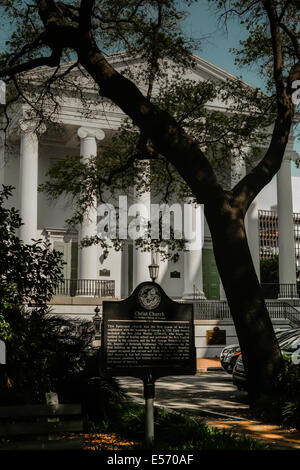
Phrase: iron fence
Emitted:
{"points": [[219, 310], [282, 291], [86, 287]]}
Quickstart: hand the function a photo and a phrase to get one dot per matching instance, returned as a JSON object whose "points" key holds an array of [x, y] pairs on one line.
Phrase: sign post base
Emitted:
{"points": [[149, 409]]}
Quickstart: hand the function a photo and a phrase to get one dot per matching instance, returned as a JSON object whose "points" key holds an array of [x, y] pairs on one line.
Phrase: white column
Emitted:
{"points": [[163, 267], [89, 256], [28, 179], [287, 260], [252, 230], [222, 291], [141, 260], [238, 171], [194, 233]]}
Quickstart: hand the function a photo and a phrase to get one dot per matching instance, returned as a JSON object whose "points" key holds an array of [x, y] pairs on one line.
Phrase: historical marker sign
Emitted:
{"points": [[148, 334]]}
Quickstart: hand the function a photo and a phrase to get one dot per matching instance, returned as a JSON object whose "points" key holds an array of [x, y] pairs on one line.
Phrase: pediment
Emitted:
{"points": [[203, 70]]}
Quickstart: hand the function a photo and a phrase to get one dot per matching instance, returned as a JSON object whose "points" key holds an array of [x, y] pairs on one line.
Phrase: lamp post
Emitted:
{"points": [[149, 381], [97, 328], [153, 271]]}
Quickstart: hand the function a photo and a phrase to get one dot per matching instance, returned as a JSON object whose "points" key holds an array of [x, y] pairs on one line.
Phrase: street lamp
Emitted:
{"points": [[153, 271], [97, 327]]}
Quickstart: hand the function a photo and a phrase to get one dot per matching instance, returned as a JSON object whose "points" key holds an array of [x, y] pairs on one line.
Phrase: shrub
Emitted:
{"points": [[44, 353], [284, 407], [28, 273]]}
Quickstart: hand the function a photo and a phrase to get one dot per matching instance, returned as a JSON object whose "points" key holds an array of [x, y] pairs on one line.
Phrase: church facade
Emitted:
{"points": [[32, 151]]}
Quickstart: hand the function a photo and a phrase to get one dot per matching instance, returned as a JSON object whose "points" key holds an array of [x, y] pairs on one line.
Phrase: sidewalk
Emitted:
{"points": [[213, 397], [273, 436], [204, 364]]}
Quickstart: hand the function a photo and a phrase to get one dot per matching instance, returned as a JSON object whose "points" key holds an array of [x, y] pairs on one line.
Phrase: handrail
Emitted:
{"points": [[219, 310], [277, 309]]}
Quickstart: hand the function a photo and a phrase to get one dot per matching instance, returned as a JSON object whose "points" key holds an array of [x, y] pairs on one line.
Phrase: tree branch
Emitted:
{"points": [[28, 48], [248, 188], [277, 49], [167, 136], [85, 15], [50, 61], [293, 37]]}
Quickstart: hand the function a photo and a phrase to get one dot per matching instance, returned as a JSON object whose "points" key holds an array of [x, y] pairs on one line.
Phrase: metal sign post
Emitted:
{"points": [[149, 409]]}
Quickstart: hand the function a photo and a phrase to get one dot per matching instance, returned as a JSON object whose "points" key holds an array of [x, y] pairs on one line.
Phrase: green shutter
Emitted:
{"points": [[74, 260], [211, 279], [70, 257]]}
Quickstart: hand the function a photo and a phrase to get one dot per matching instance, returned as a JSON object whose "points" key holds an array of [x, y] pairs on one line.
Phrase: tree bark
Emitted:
{"points": [[261, 355]]}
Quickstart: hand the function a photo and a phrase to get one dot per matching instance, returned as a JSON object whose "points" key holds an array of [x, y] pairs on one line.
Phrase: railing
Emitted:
{"points": [[219, 310], [86, 287], [282, 291], [211, 310], [284, 310]]}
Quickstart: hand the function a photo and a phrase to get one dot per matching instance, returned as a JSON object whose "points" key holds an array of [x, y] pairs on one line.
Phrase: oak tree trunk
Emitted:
{"points": [[261, 354]]}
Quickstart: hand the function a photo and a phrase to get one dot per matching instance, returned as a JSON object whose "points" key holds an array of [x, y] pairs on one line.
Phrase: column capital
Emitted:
{"points": [[32, 126], [290, 155], [84, 132]]}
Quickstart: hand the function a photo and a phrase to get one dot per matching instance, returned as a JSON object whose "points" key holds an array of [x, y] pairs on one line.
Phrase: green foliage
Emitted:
{"points": [[28, 273], [173, 431], [44, 353], [284, 407], [269, 270], [257, 47]]}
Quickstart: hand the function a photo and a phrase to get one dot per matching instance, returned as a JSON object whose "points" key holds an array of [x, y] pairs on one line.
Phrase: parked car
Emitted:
{"points": [[230, 354], [289, 344]]}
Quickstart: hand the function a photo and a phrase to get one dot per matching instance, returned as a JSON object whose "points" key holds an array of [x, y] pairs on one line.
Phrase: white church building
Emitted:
{"points": [[87, 272]]}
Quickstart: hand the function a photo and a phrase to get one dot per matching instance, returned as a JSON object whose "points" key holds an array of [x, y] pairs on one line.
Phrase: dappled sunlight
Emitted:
{"points": [[213, 395], [211, 390], [275, 435]]}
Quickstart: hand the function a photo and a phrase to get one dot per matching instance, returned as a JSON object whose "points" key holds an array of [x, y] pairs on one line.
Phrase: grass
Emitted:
{"points": [[173, 431]]}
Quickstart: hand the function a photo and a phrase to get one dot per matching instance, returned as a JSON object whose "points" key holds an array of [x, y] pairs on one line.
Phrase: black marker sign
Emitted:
{"points": [[148, 334]]}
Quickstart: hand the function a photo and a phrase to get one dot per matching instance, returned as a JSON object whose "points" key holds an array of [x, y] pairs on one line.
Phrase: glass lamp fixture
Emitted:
{"points": [[153, 271]]}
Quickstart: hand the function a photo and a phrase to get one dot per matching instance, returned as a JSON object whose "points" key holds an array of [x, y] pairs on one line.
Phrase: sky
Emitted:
{"points": [[216, 43]]}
